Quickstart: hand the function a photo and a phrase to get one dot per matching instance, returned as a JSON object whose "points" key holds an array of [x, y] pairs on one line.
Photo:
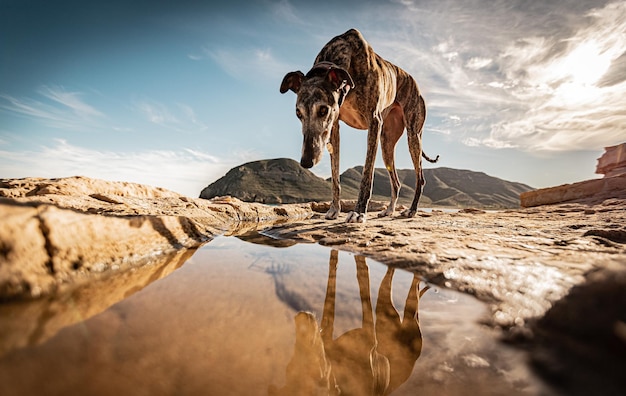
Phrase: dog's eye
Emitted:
{"points": [[322, 111], [298, 113]]}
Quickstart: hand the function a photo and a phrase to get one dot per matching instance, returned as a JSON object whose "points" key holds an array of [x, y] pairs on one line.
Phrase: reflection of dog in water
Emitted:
{"points": [[371, 360]]}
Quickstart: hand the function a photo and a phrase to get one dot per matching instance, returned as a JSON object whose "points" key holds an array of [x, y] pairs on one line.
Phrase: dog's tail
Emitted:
{"points": [[427, 158], [422, 108]]}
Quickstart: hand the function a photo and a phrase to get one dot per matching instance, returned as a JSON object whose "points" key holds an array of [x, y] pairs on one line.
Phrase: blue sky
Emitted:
{"points": [[174, 94]]}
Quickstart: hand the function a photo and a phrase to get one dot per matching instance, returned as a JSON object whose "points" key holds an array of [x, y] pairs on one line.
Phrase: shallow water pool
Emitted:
{"points": [[255, 316]]}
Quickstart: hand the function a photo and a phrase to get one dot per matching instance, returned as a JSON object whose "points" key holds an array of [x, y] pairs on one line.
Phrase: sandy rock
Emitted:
{"points": [[58, 233], [47, 247], [519, 261], [613, 186], [25, 263], [348, 205], [613, 161], [589, 192], [79, 186]]}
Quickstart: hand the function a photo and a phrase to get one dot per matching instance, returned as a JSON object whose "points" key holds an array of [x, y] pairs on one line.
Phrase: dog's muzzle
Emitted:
{"points": [[306, 163]]}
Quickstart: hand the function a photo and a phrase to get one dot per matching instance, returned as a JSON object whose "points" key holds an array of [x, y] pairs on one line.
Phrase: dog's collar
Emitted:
{"points": [[322, 68]]}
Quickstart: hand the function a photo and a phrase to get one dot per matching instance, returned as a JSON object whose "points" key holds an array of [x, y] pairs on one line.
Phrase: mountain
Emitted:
{"points": [[272, 181], [283, 180]]}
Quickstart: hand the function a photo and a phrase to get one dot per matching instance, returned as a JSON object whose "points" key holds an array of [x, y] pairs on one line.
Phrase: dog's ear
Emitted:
{"points": [[340, 78], [342, 81], [293, 81]]}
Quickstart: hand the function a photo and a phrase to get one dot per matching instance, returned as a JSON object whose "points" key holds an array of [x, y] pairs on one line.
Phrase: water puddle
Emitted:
{"points": [[256, 316]]}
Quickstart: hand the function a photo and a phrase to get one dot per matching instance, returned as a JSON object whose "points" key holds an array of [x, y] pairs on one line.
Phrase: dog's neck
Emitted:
{"points": [[322, 68]]}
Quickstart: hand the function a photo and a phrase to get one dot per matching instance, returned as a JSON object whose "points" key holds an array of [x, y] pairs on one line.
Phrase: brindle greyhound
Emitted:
{"points": [[351, 83]]}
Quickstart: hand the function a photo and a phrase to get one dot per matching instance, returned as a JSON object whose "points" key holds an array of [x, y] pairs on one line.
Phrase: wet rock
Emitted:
{"points": [[618, 236], [552, 275], [58, 233], [348, 205], [580, 344], [333, 241], [472, 211], [519, 261]]}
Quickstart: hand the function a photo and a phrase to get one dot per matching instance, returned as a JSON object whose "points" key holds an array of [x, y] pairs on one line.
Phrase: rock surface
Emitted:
{"points": [[61, 232], [554, 276], [521, 261], [588, 191], [613, 161], [612, 164]]}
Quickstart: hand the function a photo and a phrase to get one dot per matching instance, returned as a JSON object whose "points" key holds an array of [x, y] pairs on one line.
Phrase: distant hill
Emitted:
{"points": [[272, 181], [283, 180]]}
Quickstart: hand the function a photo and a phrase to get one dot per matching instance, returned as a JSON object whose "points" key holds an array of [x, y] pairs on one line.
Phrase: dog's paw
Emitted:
{"points": [[354, 217], [408, 213], [385, 213], [332, 213]]}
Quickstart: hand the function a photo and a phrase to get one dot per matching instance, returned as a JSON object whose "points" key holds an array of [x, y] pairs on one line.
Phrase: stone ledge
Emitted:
{"points": [[59, 233], [589, 192]]}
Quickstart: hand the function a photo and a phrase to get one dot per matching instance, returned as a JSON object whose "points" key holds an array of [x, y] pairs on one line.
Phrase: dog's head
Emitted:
{"points": [[320, 94]]}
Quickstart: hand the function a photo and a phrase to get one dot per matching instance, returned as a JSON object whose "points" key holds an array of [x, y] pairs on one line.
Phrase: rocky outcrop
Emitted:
{"points": [[589, 192], [613, 161], [612, 164], [58, 233], [274, 181]]}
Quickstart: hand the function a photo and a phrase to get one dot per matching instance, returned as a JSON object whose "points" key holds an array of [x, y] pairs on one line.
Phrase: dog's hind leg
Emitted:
{"points": [[414, 125], [393, 126]]}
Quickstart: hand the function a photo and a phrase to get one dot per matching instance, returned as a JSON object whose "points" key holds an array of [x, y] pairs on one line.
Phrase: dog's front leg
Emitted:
{"points": [[373, 134], [333, 149]]}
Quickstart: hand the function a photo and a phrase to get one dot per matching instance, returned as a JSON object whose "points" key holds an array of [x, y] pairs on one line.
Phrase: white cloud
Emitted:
{"points": [[154, 112], [70, 99], [496, 84], [179, 117], [284, 11], [62, 109], [191, 116], [185, 171], [565, 109], [195, 57], [249, 64], [539, 85], [478, 63], [445, 50], [538, 88]]}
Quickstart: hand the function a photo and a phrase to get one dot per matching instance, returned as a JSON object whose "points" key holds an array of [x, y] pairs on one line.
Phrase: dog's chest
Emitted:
{"points": [[350, 114]]}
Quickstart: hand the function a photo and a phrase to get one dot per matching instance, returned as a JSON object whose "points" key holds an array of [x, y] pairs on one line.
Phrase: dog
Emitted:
{"points": [[351, 83]]}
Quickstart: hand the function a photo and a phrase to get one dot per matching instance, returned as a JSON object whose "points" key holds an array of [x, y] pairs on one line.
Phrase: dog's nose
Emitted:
{"points": [[306, 163]]}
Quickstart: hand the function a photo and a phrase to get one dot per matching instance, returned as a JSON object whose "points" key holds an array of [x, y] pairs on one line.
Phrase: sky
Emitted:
{"points": [[176, 93]]}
